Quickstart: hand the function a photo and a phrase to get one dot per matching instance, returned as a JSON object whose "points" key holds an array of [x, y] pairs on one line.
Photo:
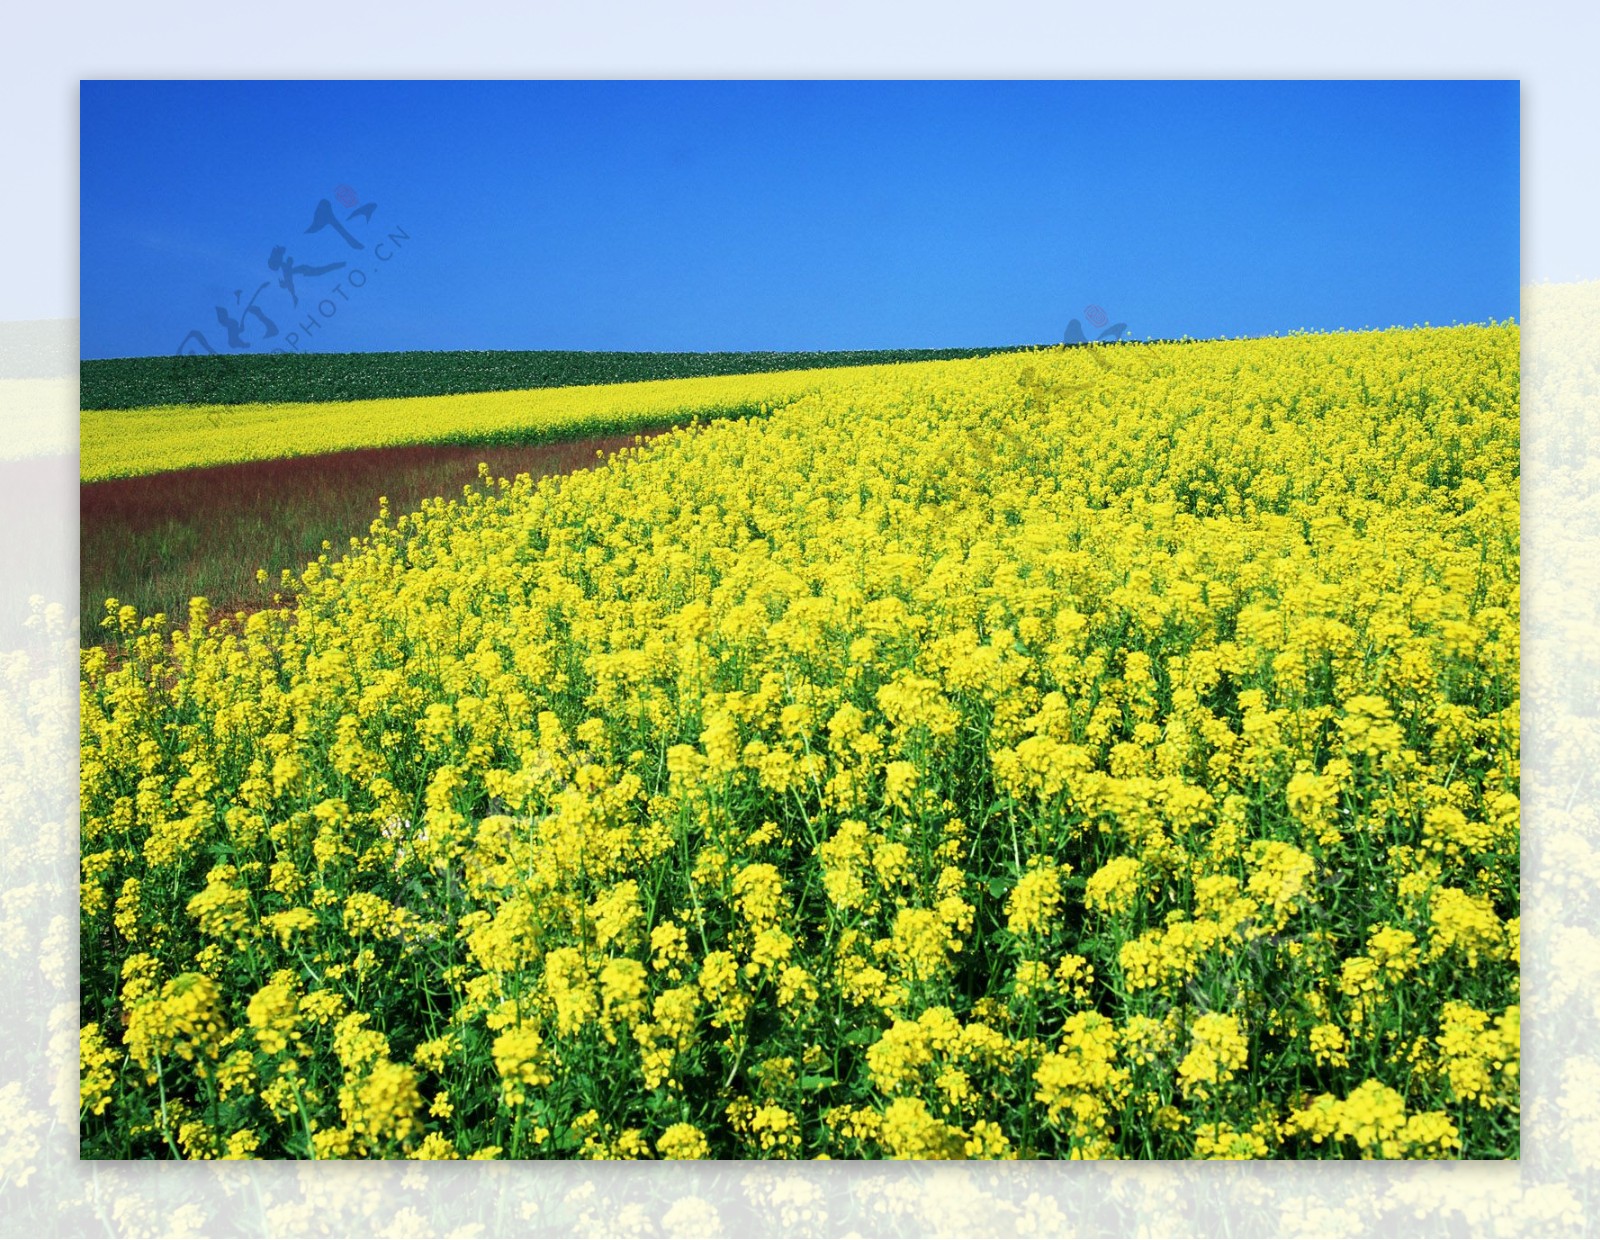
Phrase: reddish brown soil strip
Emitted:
{"points": [[155, 541], [403, 474]]}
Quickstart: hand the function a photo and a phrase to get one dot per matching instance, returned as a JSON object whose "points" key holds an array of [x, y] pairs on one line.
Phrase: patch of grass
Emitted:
{"points": [[228, 379]]}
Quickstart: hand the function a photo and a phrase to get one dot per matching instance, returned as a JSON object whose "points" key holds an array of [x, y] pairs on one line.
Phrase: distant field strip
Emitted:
{"points": [[129, 443], [235, 379]]}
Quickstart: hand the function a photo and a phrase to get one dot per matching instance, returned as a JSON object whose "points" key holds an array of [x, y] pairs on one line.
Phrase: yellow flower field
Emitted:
{"points": [[123, 443], [1099, 753]]}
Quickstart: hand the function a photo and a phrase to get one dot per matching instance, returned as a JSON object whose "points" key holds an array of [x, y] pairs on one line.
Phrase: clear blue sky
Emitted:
{"points": [[789, 215]]}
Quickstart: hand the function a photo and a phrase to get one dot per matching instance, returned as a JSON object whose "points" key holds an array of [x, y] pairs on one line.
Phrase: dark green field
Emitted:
{"points": [[232, 379]]}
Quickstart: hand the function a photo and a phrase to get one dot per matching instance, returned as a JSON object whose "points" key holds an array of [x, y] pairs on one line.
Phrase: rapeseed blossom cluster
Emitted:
{"points": [[942, 765]]}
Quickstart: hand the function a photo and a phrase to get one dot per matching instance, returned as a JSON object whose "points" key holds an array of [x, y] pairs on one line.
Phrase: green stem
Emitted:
{"points": [[166, 1128]]}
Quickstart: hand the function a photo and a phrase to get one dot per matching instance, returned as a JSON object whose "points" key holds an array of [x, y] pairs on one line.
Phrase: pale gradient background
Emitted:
{"points": [[44, 1190]]}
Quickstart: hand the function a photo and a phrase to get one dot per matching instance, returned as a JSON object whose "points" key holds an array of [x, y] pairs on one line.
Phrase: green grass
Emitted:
{"points": [[228, 379]]}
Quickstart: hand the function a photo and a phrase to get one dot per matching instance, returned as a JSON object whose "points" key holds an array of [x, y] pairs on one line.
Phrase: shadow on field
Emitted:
{"points": [[156, 541]]}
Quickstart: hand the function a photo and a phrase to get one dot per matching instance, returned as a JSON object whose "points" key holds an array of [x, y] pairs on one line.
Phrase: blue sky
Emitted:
{"points": [[787, 215]]}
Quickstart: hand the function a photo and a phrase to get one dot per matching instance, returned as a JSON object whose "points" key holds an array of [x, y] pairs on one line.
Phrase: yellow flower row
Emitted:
{"points": [[130, 442]]}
